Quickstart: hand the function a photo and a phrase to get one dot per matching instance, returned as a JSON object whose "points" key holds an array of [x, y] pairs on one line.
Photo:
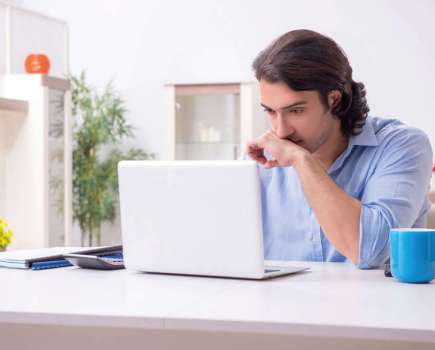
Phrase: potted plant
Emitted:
{"points": [[99, 128], [6, 235]]}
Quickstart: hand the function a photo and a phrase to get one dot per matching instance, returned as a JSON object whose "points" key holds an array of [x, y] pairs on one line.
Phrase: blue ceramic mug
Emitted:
{"points": [[412, 254]]}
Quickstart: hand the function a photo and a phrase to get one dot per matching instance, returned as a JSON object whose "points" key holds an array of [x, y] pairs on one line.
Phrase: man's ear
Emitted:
{"points": [[334, 98]]}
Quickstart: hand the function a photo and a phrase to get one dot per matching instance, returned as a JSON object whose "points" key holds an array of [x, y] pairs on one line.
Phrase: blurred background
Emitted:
{"points": [[183, 71]]}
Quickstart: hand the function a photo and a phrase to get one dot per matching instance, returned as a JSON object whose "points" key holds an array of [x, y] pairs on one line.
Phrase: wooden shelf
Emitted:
{"points": [[207, 89], [9, 105], [223, 143], [55, 83]]}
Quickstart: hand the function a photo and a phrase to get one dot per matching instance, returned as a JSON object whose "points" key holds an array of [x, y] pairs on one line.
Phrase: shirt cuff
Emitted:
{"points": [[374, 245]]}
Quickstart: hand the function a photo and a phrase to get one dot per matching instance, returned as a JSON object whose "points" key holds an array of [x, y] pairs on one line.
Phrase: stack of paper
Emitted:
{"points": [[46, 257]]}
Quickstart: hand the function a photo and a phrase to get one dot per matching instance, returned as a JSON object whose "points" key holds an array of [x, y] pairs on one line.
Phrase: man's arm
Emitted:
{"points": [[394, 196], [338, 213]]}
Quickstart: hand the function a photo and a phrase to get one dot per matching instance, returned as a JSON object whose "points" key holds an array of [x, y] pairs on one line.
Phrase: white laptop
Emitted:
{"points": [[194, 218]]}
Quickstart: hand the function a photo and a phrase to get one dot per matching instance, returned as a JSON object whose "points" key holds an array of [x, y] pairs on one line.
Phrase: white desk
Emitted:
{"points": [[333, 306]]}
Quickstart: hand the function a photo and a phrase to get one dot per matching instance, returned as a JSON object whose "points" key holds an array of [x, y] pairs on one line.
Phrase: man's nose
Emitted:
{"points": [[282, 129]]}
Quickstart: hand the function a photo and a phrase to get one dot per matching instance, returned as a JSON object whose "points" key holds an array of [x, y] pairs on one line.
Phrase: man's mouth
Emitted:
{"points": [[292, 139]]}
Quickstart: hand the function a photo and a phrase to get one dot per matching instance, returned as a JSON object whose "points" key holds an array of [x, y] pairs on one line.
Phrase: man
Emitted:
{"points": [[334, 181]]}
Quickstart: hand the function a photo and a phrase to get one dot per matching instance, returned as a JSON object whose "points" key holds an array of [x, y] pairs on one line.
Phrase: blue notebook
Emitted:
{"points": [[50, 264]]}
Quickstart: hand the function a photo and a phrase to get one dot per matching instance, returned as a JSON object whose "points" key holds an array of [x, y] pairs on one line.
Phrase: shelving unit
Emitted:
{"points": [[9, 106], [212, 121], [35, 153], [24, 32], [35, 132]]}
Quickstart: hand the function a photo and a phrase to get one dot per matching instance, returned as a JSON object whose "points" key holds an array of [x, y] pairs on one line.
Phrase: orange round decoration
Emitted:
{"points": [[37, 64]]}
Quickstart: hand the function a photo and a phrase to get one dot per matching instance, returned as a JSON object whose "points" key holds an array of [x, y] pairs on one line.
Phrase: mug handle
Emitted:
{"points": [[387, 268]]}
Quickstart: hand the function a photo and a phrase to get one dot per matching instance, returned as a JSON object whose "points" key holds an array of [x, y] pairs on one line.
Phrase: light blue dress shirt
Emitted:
{"points": [[387, 167]]}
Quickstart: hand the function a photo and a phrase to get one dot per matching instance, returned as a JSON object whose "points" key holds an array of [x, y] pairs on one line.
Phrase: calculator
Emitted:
{"points": [[102, 262]]}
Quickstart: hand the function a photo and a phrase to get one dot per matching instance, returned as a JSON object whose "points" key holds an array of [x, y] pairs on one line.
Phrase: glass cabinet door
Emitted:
{"points": [[207, 125]]}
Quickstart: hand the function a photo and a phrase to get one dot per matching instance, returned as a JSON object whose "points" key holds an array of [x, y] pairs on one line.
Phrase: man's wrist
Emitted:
{"points": [[300, 159]]}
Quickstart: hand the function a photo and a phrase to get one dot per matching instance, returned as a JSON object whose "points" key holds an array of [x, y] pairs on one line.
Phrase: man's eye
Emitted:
{"points": [[269, 111], [297, 111]]}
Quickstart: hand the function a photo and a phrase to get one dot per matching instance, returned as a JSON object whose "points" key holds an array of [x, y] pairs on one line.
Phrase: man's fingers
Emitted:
{"points": [[256, 148], [271, 163], [252, 146], [255, 152], [258, 157], [261, 141]]}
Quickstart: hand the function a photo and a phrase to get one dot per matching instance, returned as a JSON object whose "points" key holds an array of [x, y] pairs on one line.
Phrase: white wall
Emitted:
{"points": [[30, 33], [24, 32], [144, 44]]}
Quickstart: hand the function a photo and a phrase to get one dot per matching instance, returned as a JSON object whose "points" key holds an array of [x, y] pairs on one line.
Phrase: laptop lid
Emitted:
{"points": [[192, 217]]}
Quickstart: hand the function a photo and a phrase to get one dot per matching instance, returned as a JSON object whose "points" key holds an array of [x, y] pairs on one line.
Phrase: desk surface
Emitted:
{"points": [[332, 299]]}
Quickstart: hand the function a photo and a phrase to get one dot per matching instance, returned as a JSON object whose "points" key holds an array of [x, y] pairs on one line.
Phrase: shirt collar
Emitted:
{"points": [[366, 137]]}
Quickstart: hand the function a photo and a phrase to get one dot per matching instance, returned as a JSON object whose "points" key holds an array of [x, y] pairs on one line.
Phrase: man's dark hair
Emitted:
{"points": [[306, 60]]}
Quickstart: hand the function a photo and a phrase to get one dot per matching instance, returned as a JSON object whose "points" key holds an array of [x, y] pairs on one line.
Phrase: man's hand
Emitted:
{"points": [[283, 152], [328, 201]]}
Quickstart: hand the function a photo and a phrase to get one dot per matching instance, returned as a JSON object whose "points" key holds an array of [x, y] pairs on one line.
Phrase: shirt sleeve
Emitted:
{"points": [[396, 193]]}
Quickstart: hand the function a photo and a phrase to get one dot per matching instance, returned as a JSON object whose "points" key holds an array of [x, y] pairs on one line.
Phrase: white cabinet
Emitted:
{"points": [[23, 32], [212, 121], [35, 166]]}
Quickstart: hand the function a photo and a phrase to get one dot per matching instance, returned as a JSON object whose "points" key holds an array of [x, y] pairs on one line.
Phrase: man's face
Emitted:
{"points": [[299, 116]]}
